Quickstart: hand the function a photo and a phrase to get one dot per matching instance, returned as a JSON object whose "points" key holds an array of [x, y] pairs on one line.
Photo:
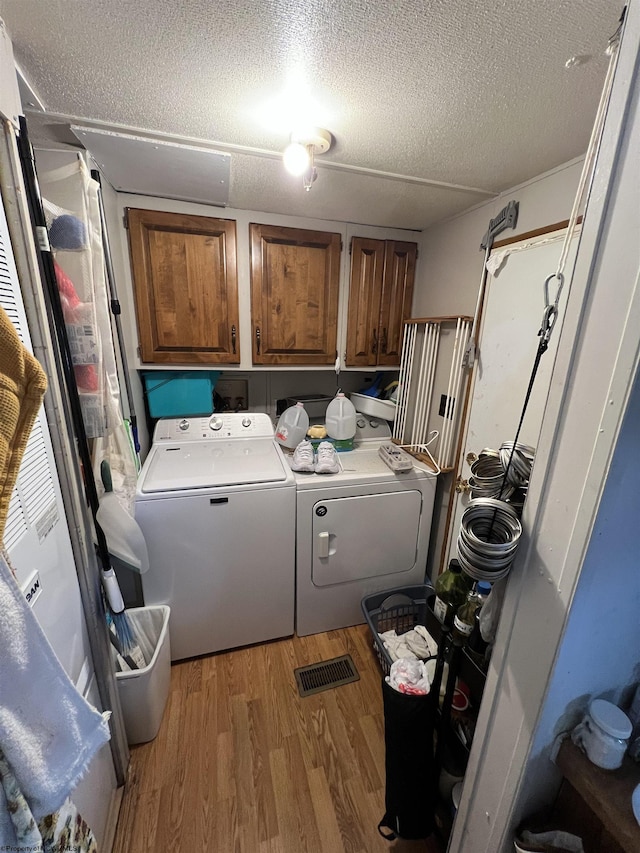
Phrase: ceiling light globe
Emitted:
{"points": [[296, 159]]}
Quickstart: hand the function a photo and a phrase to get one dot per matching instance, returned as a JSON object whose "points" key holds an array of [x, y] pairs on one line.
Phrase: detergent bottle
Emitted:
{"points": [[292, 426], [340, 422]]}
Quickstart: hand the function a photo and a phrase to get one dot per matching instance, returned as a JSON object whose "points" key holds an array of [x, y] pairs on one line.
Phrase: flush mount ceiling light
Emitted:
{"points": [[299, 155]]}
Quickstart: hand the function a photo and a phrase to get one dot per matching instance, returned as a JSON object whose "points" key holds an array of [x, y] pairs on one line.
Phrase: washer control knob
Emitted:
{"points": [[246, 422], [215, 424], [184, 425], [361, 423], [374, 424]]}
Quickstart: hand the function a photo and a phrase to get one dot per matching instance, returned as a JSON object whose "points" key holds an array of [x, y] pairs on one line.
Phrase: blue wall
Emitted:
{"points": [[600, 651]]}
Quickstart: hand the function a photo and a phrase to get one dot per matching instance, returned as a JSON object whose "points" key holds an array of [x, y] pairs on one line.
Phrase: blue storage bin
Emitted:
{"points": [[177, 393]]}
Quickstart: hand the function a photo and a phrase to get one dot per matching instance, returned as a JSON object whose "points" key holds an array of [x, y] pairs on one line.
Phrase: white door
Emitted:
{"points": [[512, 315]]}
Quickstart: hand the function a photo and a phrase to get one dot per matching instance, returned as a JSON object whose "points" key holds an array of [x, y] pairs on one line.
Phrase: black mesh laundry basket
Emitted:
{"points": [[401, 609]]}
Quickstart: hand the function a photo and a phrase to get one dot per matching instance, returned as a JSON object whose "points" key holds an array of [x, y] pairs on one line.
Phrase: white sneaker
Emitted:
{"points": [[302, 459], [327, 459]]}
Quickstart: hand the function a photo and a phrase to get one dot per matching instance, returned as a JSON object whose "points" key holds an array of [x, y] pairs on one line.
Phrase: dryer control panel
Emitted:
{"points": [[371, 429], [214, 427]]}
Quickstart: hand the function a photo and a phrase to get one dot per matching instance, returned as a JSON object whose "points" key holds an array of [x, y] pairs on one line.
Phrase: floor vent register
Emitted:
{"points": [[326, 675]]}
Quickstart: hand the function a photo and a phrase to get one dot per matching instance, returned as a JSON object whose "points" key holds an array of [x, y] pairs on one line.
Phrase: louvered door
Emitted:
{"points": [[33, 502], [36, 536]]}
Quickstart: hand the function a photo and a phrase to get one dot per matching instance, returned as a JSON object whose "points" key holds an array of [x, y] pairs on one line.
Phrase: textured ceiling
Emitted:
{"points": [[463, 91]]}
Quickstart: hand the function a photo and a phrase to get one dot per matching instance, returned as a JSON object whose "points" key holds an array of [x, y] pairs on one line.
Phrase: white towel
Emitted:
{"points": [[48, 732], [414, 644]]}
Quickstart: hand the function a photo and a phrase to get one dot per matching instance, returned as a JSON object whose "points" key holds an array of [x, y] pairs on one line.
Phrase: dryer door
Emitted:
{"points": [[365, 536]]}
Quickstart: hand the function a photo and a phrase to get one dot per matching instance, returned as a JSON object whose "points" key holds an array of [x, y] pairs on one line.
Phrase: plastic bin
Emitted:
{"points": [[144, 692], [402, 608], [372, 406], [177, 394]]}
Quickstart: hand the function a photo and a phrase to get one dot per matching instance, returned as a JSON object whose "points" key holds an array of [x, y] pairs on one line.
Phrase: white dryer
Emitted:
{"points": [[216, 503], [361, 531]]}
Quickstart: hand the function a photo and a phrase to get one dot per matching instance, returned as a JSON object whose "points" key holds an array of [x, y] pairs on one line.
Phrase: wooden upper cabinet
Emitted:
{"points": [[186, 288], [380, 296], [295, 277], [397, 295], [365, 293]]}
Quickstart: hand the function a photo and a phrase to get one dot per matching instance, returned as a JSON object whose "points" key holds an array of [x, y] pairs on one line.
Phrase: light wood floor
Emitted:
{"points": [[242, 764]]}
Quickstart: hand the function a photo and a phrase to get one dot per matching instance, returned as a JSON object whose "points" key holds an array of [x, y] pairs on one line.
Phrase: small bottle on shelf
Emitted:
{"points": [[451, 591], [464, 620], [476, 645]]}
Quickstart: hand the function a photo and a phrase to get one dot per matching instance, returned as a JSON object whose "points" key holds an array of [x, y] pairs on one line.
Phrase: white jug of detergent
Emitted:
{"points": [[292, 426], [340, 419]]}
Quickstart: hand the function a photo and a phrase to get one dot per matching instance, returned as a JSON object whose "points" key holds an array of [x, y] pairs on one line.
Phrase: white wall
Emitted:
{"points": [[9, 94], [450, 256], [600, 652], [450, 269]]}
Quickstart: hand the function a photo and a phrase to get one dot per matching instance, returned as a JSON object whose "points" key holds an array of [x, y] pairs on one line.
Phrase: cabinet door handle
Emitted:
{"points": [[374, 341], [258, 339], [233, 339], [383, 342]]}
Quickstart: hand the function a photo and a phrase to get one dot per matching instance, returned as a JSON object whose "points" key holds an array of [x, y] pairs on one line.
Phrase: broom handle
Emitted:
{"points": [[116, 311]]}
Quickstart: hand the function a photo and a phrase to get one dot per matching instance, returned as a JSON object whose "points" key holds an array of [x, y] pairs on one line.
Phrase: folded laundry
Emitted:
{"points": [[415, 644], [408, 675]]}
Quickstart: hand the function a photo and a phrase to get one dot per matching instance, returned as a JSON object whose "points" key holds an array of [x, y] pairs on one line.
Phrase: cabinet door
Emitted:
{"points": [[365, 292], [185, 280], [397, 293], [295, 276]]}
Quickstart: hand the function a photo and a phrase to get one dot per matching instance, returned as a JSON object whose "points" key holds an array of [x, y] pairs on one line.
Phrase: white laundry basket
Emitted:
{"points": [[144, 692]]}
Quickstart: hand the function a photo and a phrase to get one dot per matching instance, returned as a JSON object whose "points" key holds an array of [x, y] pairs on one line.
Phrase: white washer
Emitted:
{"points": [[361, 531], [216, 503]]}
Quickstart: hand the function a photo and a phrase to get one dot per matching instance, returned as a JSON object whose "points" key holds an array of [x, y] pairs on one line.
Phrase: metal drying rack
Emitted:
{"points": [[423, 368]]}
